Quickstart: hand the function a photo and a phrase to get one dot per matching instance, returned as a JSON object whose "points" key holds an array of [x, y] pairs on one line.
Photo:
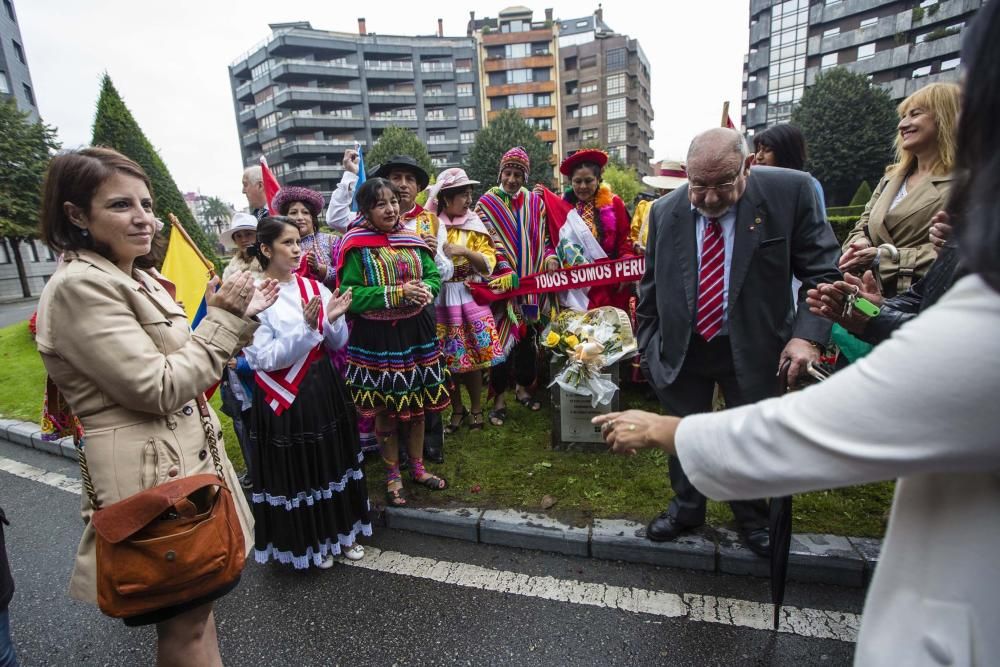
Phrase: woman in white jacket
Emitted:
{"points": [[921, 407]]}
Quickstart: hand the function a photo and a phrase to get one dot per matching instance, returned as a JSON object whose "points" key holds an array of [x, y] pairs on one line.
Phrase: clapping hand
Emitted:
{"points": [[316, 267], [263, 297], [338, 304], [940, 231], [827, 300], [431, 242], [310, 311], [239, 296]]}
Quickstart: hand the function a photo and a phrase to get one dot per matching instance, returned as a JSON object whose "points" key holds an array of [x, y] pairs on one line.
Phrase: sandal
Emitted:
{"points": [[475, 425], [433, 482], [498, 417], [453, 426], [529, 402], [395, 497]]}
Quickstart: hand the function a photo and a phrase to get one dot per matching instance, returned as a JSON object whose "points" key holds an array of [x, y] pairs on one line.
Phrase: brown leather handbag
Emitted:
{"points": [[169, 544]]}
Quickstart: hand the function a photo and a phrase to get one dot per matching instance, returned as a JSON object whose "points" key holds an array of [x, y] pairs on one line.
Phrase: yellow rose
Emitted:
{"points": [[552, 339], [571, 341]]}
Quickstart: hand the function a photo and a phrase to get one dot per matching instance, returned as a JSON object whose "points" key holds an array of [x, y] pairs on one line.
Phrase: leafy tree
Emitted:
{"points": [[862, 194], [399, 141], [506, 130], [623, 181], [849, 125], [25, 149], [115, 127]]}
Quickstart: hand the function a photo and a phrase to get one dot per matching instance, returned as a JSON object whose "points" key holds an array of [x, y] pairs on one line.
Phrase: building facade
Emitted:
{"points": [[15, 79], [304, 96], [901, 45], [605, 81], [519, 68]]}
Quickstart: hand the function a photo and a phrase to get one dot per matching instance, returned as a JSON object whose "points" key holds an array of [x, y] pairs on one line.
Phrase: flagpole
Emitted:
{"points": [[725, 113], [177, 223]]}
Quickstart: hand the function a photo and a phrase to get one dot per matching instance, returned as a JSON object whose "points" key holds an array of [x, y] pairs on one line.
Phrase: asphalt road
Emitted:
{"points": [[359, 616], [18, 311]]}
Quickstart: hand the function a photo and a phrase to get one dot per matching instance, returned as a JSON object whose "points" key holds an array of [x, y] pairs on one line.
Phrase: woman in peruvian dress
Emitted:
{"points": [[604, 213], [468, 333], [309, 500], [394, 365]]}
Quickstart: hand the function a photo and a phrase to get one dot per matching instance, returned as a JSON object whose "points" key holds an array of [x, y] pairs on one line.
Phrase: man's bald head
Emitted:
{"points": [[718, 145], [716, 166]]}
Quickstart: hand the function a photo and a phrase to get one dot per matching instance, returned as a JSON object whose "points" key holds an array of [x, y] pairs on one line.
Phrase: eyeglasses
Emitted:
{"points": [[721, 188]]}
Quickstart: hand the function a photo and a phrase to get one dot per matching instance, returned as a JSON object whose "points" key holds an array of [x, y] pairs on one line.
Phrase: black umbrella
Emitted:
{"points": [[780, 527]]}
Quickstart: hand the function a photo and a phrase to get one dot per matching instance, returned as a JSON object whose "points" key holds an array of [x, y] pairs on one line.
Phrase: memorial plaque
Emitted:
{"points": [[571, 415]]}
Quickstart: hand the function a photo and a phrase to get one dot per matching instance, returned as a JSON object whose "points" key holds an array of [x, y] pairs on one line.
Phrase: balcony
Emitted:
{"points": [[516, 88], [396, 119], [312, 147], [494, 38], [286, 69], [448, 67], [246, 115], [311, 174], [393, 70], [439, 99], [251, 138], [320, 122], [442, 145], [299, 96], [529, 112], [391, 98], [243, 92], [530, 62], [440, 122]]}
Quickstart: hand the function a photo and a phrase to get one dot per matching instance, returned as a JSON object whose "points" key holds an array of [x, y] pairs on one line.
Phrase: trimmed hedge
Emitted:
{"points": [[845, 211], [842, 225]]}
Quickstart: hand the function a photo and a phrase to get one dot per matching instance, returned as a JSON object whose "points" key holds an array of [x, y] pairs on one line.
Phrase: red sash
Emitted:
{"points": [[282, 386]]}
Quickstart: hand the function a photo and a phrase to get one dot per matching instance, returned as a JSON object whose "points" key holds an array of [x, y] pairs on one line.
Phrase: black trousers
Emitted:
{"points": [[521, 363], [706, 364]]}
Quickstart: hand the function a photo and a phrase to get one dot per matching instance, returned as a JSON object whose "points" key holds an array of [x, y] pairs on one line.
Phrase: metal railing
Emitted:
{"points": [[437, 67], [389, 65]]}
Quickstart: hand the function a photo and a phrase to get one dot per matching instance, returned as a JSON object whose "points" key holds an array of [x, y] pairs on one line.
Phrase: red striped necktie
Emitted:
{"points": [[711, 281]]}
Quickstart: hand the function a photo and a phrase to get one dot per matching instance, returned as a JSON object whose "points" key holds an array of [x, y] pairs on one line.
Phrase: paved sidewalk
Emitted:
{"points": [[822, 559], [14, 311]]}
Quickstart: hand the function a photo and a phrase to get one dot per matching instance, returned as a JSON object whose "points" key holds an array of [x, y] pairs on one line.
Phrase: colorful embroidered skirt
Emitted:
{"points": [[396, 366], [468, 334], [309, 496]]}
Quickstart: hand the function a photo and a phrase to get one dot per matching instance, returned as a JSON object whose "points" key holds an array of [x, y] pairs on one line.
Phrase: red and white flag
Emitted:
{"points": [[574, 244], [271, 186]]}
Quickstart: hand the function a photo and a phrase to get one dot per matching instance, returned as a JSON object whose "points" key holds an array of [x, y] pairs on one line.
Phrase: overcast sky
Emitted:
{"points": [[169, 58]]}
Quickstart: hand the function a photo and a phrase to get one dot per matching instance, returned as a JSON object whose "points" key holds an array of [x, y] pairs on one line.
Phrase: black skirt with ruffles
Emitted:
{"points": [[309, 496]]}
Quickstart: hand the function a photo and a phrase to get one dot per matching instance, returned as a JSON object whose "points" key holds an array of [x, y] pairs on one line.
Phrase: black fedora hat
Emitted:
{"points": [[401, 162]]}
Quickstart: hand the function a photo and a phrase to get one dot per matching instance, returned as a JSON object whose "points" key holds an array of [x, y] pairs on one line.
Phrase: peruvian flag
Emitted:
{"points": [[573, 241], [271, 186]]}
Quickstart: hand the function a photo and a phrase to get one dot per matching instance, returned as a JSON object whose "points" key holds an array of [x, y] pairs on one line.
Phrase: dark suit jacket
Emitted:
{"points": [[780, 231]]}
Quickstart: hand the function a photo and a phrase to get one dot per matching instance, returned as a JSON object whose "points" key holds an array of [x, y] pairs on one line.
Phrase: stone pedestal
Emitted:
{"points": [[571, 415]]}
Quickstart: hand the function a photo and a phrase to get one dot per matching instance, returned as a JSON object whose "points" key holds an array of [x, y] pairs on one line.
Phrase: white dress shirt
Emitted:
{"points": [[728, 224]]}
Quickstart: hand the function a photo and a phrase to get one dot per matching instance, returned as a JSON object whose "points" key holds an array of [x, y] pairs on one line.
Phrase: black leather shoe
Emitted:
{"points": [[434, 454], [665, 528], [757, 541]]}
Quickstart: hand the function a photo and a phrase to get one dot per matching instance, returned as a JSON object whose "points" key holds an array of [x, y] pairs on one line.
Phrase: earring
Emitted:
{"points": [[84, 232]]}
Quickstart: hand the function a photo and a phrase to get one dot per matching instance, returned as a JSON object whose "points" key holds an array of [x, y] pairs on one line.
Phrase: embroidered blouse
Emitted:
{"points": [[376, 276]]}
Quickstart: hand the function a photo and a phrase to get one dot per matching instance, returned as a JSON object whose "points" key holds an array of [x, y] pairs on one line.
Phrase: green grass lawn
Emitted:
{"points": [[513, 466]]}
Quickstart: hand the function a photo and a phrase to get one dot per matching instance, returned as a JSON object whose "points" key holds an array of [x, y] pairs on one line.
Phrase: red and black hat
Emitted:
{"points": [[598, 157]]}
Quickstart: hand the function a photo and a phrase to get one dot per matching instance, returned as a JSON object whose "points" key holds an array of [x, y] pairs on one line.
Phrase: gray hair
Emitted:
{"points": [[724, 140], [254, 174]]}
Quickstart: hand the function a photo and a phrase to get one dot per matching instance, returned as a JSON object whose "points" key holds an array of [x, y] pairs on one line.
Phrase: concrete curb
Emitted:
{"points": [[822, 559]]}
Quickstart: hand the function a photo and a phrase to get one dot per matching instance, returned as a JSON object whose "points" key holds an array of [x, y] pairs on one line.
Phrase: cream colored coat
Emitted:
{"points": [[905, 227], [121, 352]]}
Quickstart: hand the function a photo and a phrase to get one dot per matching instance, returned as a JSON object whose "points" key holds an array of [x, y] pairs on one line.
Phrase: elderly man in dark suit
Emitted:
{"points": [[715, 305]]}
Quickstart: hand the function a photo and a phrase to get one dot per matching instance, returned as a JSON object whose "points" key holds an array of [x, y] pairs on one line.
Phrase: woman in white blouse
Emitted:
{"points": [[921, 408], [309, 501]]}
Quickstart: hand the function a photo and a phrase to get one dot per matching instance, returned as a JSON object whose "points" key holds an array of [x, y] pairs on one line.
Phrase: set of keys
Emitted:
{"points": [[864, 306]]}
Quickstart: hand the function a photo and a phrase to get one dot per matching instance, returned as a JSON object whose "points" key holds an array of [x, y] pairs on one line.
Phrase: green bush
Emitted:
{"points": [[840, 211], [862, 195], [842, 225]]}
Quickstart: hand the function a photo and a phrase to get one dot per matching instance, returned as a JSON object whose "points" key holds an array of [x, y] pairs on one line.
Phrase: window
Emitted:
{"points": [[540, 49], [616, 108], [433, 91], [582, 24], [517, 50], [829, 60], [616, 84], [434, 114], [516, 26], [618, 152], [464, 89], [518, 75], [4, 88], [467, 113], [270, 120], [540, 124], [867, 23], [589, 110], [950, 64], [28, 95], [436, 137], [463, 65], [866, 51], [616, 132], [615, 59], [589, 61], [543, 100], [572, 87], [439, 160], [589, 88], [590, 135], [921, 71], [570, 63], [467, 137], [832, 32], [32, 249], [522, 101], [573, 111], [260, 70], [19, 52]]}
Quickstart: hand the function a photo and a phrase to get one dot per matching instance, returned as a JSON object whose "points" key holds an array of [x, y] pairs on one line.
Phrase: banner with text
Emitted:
{"points": [[604, 272]]}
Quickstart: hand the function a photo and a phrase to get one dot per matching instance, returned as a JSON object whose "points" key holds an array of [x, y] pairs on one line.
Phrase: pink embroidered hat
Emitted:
{"points": [[454, 177], [288, 195], [518, 158]]}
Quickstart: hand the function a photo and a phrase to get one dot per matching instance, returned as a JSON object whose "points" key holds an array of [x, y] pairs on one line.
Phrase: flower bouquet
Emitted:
{"points": [[587, 343]]}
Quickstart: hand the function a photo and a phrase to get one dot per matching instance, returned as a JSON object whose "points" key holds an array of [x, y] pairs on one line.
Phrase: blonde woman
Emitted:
{"points": [[912, 191]]}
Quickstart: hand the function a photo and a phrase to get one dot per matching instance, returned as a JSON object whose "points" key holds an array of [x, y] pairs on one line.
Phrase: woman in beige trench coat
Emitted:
{"points": [[122, 354]]}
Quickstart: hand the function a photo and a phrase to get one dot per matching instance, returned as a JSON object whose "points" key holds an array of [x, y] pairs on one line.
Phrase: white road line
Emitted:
{"points": [[54, 479], [810, 623]]}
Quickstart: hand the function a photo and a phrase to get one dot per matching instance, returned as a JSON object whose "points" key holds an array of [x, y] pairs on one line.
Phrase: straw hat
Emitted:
{"points": [[670, 176]]}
